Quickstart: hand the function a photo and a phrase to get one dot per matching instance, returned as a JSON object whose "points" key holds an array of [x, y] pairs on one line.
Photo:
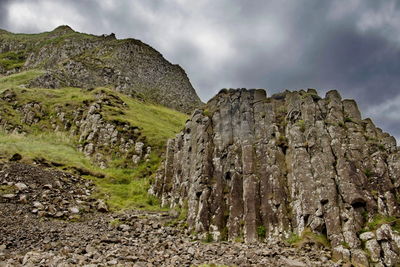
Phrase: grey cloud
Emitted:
{"points": [[3, 11]]}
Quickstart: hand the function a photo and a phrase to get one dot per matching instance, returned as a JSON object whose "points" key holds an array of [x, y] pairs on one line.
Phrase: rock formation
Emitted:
{"points": [[262, 168], [80, 60]]}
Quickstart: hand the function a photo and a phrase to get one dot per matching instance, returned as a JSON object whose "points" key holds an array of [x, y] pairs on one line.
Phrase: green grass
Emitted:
{"points": [[15, 80], [307, 236], [293, 238], [54, 147], [302, 125], [261, 232], [7, 189], [67, 96], [130, 195], [380, 219], [368, 173], [158, 123], [12, 60], [348, 119], [122, 188]]}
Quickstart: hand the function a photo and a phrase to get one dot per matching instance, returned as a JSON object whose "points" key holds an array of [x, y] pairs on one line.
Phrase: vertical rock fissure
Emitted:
{"points": [[289, 162]]}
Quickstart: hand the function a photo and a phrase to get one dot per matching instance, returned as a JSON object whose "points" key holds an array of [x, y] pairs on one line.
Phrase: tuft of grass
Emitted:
{"points": [[183, 213], [55, 147], [293, 238], [209, 238], [12, 60], [239, 239], [122, 188], [380, 219], [115, 222], [302, 125], [368, 173], [348, 119], [127, 192], [7, 189], [345, 245], [261, 232], [157, 123], [207, 112], [16, 80], [307, 236]]}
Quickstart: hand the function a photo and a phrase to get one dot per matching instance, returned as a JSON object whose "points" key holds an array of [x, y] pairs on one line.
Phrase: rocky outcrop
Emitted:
{"points": [[264, 168], [45, 193], [99, 137], [86, 61]]}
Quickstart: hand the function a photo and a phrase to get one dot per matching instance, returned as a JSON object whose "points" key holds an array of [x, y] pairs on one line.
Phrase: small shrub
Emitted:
{"points": [[261, 232], [115, 222], [282, 139], [345, 244], [209, 238], [302, 125], [348, 119], [239, 239], [368, 173], [207, 112], [307, 236], [365, 214], [293, 238]]}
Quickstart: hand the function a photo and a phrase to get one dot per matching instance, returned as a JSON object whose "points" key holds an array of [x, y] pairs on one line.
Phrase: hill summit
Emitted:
{"points": [[72, 59]]}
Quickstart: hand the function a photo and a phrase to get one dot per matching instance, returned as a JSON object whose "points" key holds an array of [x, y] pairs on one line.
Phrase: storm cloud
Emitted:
{"points": [[349, 45]]}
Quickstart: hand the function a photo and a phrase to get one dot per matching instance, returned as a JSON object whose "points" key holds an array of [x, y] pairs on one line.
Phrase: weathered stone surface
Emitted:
{"points": [[258, 168]]}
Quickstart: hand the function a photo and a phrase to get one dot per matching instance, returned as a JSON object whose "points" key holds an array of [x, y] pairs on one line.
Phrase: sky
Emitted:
{"points": [[349, 45]]}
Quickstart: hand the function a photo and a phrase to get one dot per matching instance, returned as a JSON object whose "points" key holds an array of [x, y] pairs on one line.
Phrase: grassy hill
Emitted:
{"points": [[122, 186], [72, 59]]}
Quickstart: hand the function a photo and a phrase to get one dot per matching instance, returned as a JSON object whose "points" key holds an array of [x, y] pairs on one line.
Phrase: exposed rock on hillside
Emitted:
{"points": [[262, 168], [97, 136], [81, 60]]}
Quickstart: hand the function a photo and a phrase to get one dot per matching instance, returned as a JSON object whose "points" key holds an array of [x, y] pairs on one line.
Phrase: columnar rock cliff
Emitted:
{"points": [[81, 60], [262, 168]]}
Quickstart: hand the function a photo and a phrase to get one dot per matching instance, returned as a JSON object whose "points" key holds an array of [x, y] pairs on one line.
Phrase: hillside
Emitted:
{"points": [[293, 166], [96, 132], [71, 59]]}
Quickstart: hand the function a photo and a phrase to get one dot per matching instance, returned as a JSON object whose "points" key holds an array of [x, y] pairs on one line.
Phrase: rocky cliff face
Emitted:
{"points": [[87, 61], [263, 168]]}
